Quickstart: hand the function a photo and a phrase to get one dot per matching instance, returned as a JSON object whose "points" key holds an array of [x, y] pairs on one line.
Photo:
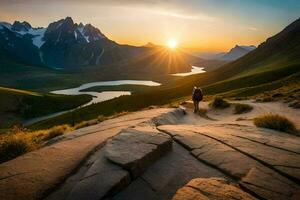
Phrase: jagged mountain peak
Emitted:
{"points": [[245, 47], [21, 26], [80, 25], [63, 43], [237, 52], [150, 45]]}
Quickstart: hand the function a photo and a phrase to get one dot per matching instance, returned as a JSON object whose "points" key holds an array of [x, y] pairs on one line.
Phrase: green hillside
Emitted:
{"points": [[279, 51], [17, 105], [273, 64]]}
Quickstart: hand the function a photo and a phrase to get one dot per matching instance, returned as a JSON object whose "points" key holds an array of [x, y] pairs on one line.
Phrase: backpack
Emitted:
{"points": [[197, 95]]}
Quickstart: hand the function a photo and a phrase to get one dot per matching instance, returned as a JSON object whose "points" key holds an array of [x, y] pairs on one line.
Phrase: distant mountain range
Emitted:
{"points": [[234, 53], [62, 44], [71, 46]]}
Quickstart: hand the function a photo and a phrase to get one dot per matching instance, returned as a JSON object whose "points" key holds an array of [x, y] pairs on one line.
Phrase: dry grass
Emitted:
{"points": [[242, 108], [276, 122], [18, 140], [295, 104], [56, 131], [81, 125], [13, 147], [219, 103], [15, 143]]}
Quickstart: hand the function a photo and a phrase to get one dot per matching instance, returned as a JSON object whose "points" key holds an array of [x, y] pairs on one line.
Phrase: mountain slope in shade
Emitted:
{"points": [[279, 51], [234, 53], [71, 46], [63, 44], [275, 59]]}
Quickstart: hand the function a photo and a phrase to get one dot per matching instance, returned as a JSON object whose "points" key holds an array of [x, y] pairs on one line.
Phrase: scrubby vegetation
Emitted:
{"points": [[86, 123], [13, 147], [56, 131], [265, 99], [295, 104], [18, 140], [242, 108], [276, 122], [219, 103]]}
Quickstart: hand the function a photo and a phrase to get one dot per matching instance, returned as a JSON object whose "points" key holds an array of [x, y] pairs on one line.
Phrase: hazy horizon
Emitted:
{"points": [[195, 25]]}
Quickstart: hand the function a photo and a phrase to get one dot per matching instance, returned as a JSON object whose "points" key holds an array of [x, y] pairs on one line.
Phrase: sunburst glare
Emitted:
{"points": [[172, 44]]}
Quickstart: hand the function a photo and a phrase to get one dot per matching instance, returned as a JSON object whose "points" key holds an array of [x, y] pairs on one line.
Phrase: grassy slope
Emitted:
{"points": [[273, 60], [291, 80], [16, 105], [164, 95]]}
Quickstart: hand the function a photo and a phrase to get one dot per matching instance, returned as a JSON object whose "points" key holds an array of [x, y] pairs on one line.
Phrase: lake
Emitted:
{"points": [[107, 95], [97, 96], [195, 70]]}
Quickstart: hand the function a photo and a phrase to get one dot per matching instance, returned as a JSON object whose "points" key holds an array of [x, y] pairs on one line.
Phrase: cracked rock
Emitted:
{"points": [[211, 188], [135, 150], [252, 163], [101, 179]]}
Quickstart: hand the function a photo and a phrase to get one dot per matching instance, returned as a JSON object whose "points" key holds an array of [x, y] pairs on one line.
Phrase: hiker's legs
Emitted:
{"points": [[196, 106]]}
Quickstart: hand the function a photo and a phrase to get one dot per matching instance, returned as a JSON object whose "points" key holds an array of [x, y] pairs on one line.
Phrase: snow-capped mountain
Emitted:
{"points": [[63, 44]]}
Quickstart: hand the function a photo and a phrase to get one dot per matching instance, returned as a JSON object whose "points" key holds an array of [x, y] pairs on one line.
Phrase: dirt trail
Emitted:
{"points": [[223, 116]]}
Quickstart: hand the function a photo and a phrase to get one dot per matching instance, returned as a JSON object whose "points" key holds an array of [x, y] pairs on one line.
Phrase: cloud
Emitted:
{"points": [[201, 17], [99, 2], [250, 28], [171, 8]]}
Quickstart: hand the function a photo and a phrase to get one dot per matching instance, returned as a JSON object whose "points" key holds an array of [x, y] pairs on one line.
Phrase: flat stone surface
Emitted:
{"points": [[162, 179], [135, 150], [253, 163], [113, 167], [211, 188], [267, 183], [100, 179], [34, 174], [118, 122]]}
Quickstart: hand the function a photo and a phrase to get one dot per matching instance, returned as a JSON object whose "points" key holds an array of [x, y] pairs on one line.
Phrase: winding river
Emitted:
{"points": [[194, 70], [97, 96], [105, 95]]}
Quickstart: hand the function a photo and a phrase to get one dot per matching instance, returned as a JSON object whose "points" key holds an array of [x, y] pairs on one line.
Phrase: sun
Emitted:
{"points": [[172, 44]]}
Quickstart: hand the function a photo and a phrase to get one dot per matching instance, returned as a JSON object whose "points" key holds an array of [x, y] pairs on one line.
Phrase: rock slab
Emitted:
{"points": [[258, 162], [123, 158], [135, 150], [211, 188]]}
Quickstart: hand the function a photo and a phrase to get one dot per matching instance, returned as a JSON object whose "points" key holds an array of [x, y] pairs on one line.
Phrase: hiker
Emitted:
{"points": [[197, 97]]}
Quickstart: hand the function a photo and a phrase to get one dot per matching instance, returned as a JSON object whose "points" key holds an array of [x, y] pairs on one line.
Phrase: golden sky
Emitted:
{"points": [[214, 25]]}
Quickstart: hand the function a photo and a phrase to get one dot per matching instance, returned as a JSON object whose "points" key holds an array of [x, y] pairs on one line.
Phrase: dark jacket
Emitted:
{"points": [[197, 94]]}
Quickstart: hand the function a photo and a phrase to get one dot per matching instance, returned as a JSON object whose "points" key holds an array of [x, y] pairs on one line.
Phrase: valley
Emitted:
{"points": [[261, 66], [154, 100]]}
